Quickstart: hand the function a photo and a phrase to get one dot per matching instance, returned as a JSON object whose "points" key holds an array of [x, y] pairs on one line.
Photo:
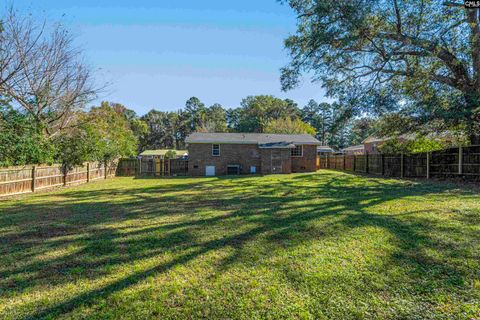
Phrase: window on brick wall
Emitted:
{"points": [[297, 151], [215, 150]]}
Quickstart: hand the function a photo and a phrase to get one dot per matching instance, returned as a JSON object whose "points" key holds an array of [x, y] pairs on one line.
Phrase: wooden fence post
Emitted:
{"points": [[169, 167], [354, 163], [460, 160], [34, 173], [382, 158], [366, 162], [88, 171], [105, 169], [402, 171], [428, 165], [65, 172], [344, 162]]}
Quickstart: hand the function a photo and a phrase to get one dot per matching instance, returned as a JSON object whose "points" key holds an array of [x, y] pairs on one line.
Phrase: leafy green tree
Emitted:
{"points": [[233, 118], [195, 114], [116, 138], [321, 117], [420, 56], [78, 145], [102, 134], [329, 121], [394, 124], [257, 111], [21, 142], [121, 109], [137, 125], [165, 130], [416, 145], [428, 137], [170, 154], [342, 137], [361, 129], [139, 128], [289, 126], [215, 119]]}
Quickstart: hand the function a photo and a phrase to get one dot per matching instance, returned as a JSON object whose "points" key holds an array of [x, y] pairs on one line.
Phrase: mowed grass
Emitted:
{"points": [[327, 245]]}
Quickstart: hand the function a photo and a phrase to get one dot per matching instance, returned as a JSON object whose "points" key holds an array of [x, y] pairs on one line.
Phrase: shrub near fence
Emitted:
{"points": [[25, 179], [463, 161]]}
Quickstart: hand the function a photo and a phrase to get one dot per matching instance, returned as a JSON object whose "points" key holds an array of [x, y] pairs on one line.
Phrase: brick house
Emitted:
{"points": [[369, 145], [249, 153], [372, 143], [354, 150], [324, 150]]}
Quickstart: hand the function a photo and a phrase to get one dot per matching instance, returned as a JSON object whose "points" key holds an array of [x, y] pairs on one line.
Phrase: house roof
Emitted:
{"points": [[354, 148], [162, 152], [373, 139], [324, 149], [276, 145], [252, 138]]}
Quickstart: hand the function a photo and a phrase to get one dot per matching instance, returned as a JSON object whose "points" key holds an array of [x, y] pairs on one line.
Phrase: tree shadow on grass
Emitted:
{"points": [[274, 208]]}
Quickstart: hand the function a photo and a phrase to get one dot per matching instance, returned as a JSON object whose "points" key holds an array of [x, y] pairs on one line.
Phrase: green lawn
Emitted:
{"points": [[303, 246]]}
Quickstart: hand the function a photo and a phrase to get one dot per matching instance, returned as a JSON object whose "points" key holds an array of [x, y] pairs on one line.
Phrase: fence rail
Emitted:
{"points": [[27, 179], [462, 161]]}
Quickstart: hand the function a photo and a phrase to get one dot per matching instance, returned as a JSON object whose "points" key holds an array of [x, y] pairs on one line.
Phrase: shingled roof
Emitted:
{"points": [[266, 139], [162, 152], [355, 148]]}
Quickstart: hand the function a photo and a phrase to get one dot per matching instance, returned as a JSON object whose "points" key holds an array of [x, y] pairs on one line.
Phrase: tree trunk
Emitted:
{"points": [[472, 100]]}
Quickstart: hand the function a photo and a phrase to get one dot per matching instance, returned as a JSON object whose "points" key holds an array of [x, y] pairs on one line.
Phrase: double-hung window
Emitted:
{"points": [[215, 150], [297, 151]]}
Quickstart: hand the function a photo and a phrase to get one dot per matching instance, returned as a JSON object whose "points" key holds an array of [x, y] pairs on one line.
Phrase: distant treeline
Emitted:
{"points": [[45, 88], [330, 123]]}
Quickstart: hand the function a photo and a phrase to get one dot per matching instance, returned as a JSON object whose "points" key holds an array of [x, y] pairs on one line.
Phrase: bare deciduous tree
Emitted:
{"points": [[43, 71]]}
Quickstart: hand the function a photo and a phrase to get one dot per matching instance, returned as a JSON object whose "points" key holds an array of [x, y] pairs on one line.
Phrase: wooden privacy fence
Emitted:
{"points": [[462, 161], [25, 179], [152, 167]]}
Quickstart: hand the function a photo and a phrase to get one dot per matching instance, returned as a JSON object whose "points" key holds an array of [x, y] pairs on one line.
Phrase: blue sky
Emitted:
{"points": [[157, 54]]}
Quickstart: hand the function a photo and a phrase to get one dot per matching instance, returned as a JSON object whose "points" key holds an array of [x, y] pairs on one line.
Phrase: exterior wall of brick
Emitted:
{"points": [[306, 163], [372, 147], [200, 156], [276, 161], [266, 161]]}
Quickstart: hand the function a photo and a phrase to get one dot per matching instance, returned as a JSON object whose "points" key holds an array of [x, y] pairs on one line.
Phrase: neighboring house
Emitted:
{"points": [[160, 154], [249, 153], [324, 150], [372, 143], [354, 150]]}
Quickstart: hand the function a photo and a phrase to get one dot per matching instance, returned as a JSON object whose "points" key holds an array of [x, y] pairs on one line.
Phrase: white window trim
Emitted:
{"points": [[301, 153], [216, 155]]}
